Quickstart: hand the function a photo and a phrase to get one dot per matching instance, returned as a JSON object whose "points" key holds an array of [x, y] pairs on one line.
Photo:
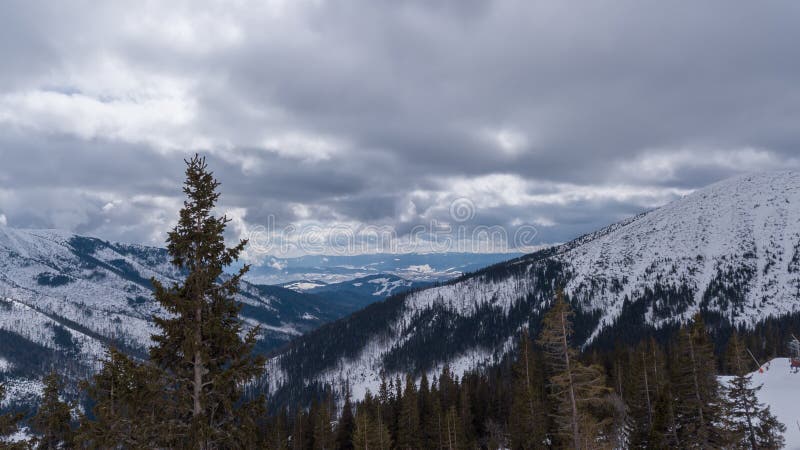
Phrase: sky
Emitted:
{"points": [[546, 116]]}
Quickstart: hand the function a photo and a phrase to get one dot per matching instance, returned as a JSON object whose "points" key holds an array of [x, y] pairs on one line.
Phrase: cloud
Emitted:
{"points": [[384, 113]]}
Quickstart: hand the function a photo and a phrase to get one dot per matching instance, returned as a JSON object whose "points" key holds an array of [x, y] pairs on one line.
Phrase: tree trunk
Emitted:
{"points": [[198, 365], [576, 437]]}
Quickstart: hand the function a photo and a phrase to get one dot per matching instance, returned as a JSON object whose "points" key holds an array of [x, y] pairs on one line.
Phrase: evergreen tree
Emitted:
{"points": [[433, 422], [408, 436], [127, 409], [466, 416], [200, 349], [644, 386], [577, 390], [699, 404], [275, 435], [370, 432], [302, 431], [9, 424], [323, 431], [52, 421], [346, 426], [426, 437], [752, 424], [453, 430], [527, 421]]}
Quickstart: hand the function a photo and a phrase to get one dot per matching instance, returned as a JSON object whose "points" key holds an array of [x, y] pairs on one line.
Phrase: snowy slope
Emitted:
{"points": [[731, 248], [780, 389], [64, 298]]}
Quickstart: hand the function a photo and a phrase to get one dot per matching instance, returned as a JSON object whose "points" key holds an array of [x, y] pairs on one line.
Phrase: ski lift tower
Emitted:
{"points": [[794, 349]]}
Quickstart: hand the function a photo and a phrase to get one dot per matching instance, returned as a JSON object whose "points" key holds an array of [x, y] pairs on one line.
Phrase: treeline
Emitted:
{"points": [[549, 396]]}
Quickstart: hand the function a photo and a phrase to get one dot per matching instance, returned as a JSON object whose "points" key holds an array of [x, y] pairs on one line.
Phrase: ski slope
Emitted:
{"points": [[781, 391]]}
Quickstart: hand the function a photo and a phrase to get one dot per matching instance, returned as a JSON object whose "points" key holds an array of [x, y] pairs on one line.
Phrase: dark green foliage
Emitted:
{"points": [[52, 422], [199, 349], [577, 391], [752, 424], [64, 340], [528, 421], [698, 397], [408, 422], [128, 410], [52, 279], [190, 393], [345, 427]]}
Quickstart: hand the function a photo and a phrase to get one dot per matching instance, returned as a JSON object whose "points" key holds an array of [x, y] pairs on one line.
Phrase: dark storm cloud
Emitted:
{"points": [[386, 112]]}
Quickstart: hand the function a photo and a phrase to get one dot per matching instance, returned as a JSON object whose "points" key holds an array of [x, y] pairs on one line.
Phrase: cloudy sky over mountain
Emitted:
{"points": [[385, 113]]}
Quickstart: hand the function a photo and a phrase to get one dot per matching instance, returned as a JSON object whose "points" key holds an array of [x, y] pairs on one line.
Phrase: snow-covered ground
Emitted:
{"points": [[781, 391]]}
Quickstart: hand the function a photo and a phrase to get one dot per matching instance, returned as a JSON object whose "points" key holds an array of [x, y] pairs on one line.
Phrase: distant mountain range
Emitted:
{"points": [[427, 267], [730, 251]]}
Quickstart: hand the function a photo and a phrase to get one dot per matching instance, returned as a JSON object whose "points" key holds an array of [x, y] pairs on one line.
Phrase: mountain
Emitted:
{"points": [[427, 267], [359, 292], [64, 298], [730, 251]]}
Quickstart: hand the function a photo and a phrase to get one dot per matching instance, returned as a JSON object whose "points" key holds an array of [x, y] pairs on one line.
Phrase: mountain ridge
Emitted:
{"points": [[730, 250]]}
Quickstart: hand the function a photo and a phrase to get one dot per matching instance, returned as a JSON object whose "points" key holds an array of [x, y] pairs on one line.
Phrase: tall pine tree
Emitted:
{"points": [[528, 420], [577, 390], [200, 349], [752, 424], [699, 405], [408, 435]]}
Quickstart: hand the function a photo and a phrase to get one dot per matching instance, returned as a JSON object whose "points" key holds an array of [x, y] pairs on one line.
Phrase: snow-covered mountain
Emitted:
{"points": [[64, 298], [731, 250], [358, 292]]}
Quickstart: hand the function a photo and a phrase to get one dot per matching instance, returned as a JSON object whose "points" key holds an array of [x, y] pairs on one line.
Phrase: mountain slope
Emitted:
{"points": [[359, 292], [731, 250], [64, 298]]}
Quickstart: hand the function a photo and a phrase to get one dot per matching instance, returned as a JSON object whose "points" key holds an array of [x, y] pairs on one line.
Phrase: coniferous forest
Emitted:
{"points": [[192, 390]]}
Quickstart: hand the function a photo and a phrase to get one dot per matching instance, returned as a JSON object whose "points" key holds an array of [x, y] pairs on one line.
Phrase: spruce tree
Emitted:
{"points": [[370, 432], [752, 424], [52, 422], [453, 430], [527, 423], [466, 416], [199, 348], [302, 430], [323, 430], [346, 426], [577, 390], [644, 384], [128, 408], [698, 401], [408, 435]]}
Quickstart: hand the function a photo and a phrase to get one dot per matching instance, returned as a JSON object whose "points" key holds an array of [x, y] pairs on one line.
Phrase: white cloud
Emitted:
{"points": [[666, 164], [161, 121]]}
